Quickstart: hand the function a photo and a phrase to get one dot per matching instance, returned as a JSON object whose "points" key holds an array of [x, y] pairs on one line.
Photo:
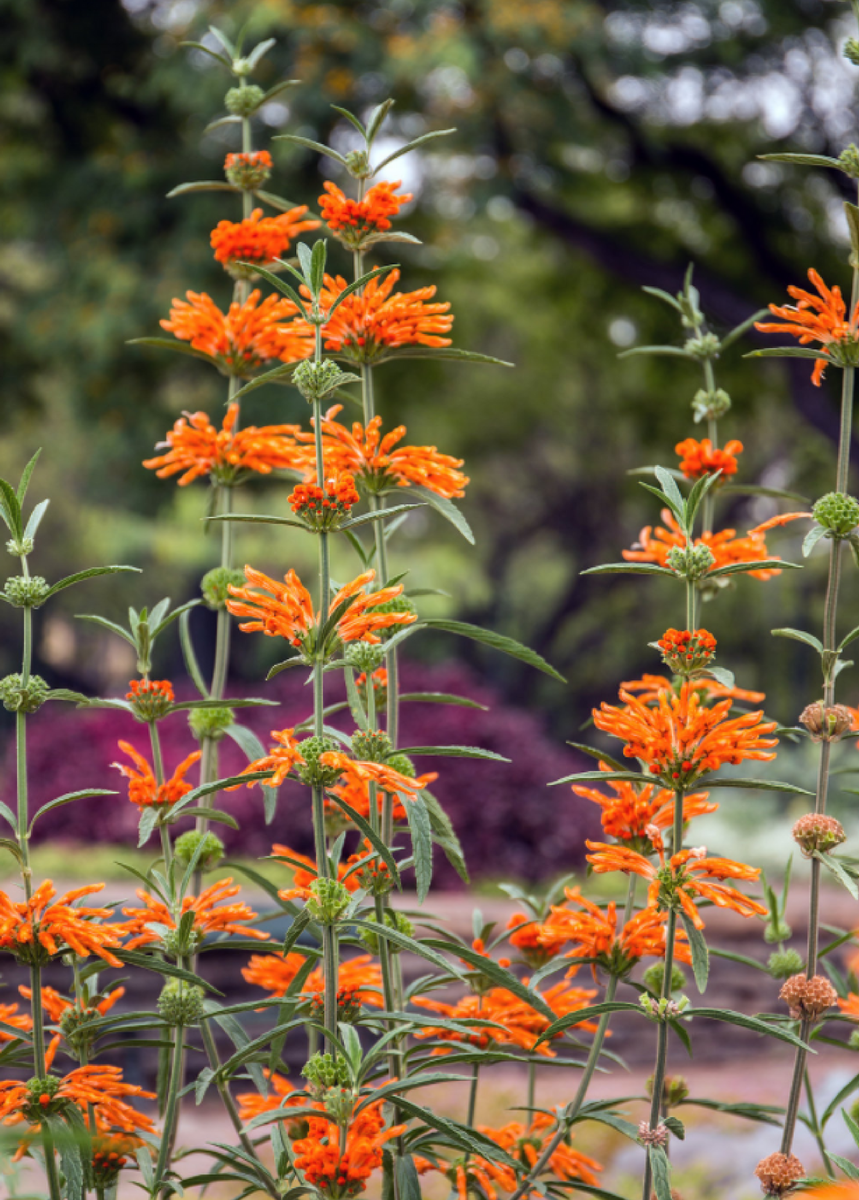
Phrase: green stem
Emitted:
{"points": [[472, 1095], [23, 803], [170, 1114], [690, 606], [40, 1071], [815, 1126], [532, 1089]]}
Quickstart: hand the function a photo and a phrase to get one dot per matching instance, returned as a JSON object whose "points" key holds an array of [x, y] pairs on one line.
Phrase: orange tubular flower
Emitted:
{"points": [[533, 940], [526, 1145], [356, 792], [246, 336], [379, 464], [850, 1006], [680, 739], [198, 448], [821, 318], [340, 1175], [386, 778], [281, 759], [673, 885], [55, 1005], [273, 972], [650, 687], [354, 221], [286, 610], [471, 1175], [144, 790], [35, 930], [257, 239], [249, 170], [627, 813], [832, 1191], [655, 543], [210, 915], [306, 872], [325, 507], [99, 1086], [10, 1017], [700, 458], [359, 981], [281, 1095]]}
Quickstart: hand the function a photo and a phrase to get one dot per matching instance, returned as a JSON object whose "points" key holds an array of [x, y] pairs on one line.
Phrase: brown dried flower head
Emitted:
{"points": [[808, 998], [815, 831], [648, 1136], [778, 1173], [826, 724]]}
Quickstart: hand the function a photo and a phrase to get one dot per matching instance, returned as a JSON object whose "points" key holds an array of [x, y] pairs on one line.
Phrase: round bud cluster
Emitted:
{"points": [[652, 1136], [328, 901], [186, 848], [837, 512], [324, 1071], [808, 998], [393, 920], [853, 1043], [710, 406], [42, 1100], [20, 547], [403, 764], [358, 163], [17, 697], [371, 745], [26, 591], [399, 604], [215, 583], [248, 171], [815, 831], [177, 945], [826, 724], [692, 562], [150, 698], [316, 379], [778, 1173], [778, 932], [363, 656], [784, 963], [339, 1103], [685, 650], [312, 771], [181, 1003], [663, 1009], [210, 723], [653, 978], [243, 101], [703, 348], [851, 51], [675, 1089], [848, 159], [79, 1040]]}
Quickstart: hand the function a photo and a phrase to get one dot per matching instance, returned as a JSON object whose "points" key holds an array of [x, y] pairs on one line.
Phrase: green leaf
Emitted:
{"points": [[311, 145], [36, 519], [422, 948], [380, 515], [665, 351], [211, 814], [834, 867], [377, 116], [743, 327], [283, 372], [496, 641], [803, 160], [447, 509], [111, 625], [419, 827], [26, 476], [253, 749], [297, 661], [275, 201], [772, 785], [811, 539], [91, 573], [369, 833], [202, 185], [221, 58], [843, 1093], [768, 1114], [721, 675], [445, 835], [413, 145], [661, 1169], [560, 1024], [604, 777], [206, 789], [11, 509], [441, 698], [746, 489], [799, 635], [191, 664], [6, 811], [461, 1135], [451, 352], [851, 1125], [661, 295], [67, 799], [764, 564], [848, 638], [405, 1172], [629, 568], [12, 847], [598, 755], [161, 343], [259, 519], [162, 966], [146, 825], [452, 752], [851, 1171], [753, 1023], [790, 352], [359, 283], [700, 953]]}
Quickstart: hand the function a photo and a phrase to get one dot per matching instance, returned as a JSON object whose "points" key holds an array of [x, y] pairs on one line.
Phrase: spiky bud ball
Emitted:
{"points": [[363, 656], [685, 650], [709, 406], [26, 591], [675, 1089], [215, 583], [816, 831], [403, 764], [778, 1173], [42, 1100], [18, 697], [371, 745], [806, 998], [837, 512], [312, 771], [399, 604], [826, 723], [315, 380], [150, 698], [20, 547], [778, 932], [784, 963], [324, 1071], [358, 164], [210, 722], [692, 562], [248, 171], [243, 101], [654, 976], [328, 901], [186, 847], [851, 51], [848, 159], [393, 920], [181, 1003], [705, 347]]}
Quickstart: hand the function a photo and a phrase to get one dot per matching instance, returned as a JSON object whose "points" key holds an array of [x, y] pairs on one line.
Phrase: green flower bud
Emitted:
{"points": [[363, 656], [851, 51], [175, 945], [241, 67], [853, 1043], [848, 159], [42, 1100], [245, 100], [371, 745], [399, 604], [654, 976], [777, 933], [675, 1089], [692, 562], [215, 583], [314, 773], [186, 848], [339, 1103], [838, 513], [704, 348], [393, 920], [324, 1071], [26, 591], [210, 722], [181, 1003], [20, 546], [403, 764], [710, 405], [330, 899], [78, 1039], [18, 698], [358, 163], [316, 379], [784, 963], [248, 171]]}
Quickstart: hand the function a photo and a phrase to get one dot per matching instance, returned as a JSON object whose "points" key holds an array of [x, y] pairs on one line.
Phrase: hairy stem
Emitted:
{"points": [[170, 1114]]}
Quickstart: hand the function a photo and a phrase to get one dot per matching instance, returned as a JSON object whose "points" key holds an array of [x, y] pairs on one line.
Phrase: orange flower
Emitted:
{"points": [[286, 610], [472, 1175], [110, 1153], [385, 777], [685, 876], [379, 680], [325, 507], [198, 448], [150, 698], [343, 1174], [306, 872], [687, 650], [526, 1145], [359, 981], [650, 687], [282, 1095], [849, 1005], [356, 793], [210, 915], [375, 460], [533, 940], [700, 458], [353, 221], [820, 318], [10, 1016], [281, 759], [249, 170], [832, 1191], [632, 808], [274, 972], [680, 739], [144, 790], [55, 1005], [655, 543], [257, 239], [35, 929], [99, 1086], [243, 338]]}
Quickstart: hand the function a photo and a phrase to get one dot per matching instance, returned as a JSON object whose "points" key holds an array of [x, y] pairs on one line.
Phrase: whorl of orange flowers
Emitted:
{"points": [[10, 1016], [306, 872], [325, 506], [280, 758], [701, 458], [685, 876], [210, 915], [286, 610], [656, 542], [650, 687], [472, 1175], [526, 1144], [99, 1086], [245, 336], [197, 448], [273, 972], [387, 778], [258, 239], [627, 813], [55, 1005], [822, 318], [143, 788], [343, 1174], [380, 463], [356, 793], [282, 1094], [359, 981], [36, 929], [679, 739], [533, 940], [354, 220]]}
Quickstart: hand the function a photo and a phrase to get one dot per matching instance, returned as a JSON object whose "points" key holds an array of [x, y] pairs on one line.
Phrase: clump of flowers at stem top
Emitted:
{"points": [[248, 171], [257, 240], [526, 1143], [243, 338], [821, 318], [150, 698], [325, 507], [339, 1175], [35, 930], [655, 544], [679, 738], [143, 788], [100, 1086], [818, 832], [286, 610], [687, 650], [778, 1173], [359, 982], [354, 221], [73, 1017], [807, 999], [210, 916], [225, 455], [702, 458], [632, 808]]}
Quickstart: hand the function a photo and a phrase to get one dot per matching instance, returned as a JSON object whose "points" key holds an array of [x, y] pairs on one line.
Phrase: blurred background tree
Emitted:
{"points": [[599, 147]]}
